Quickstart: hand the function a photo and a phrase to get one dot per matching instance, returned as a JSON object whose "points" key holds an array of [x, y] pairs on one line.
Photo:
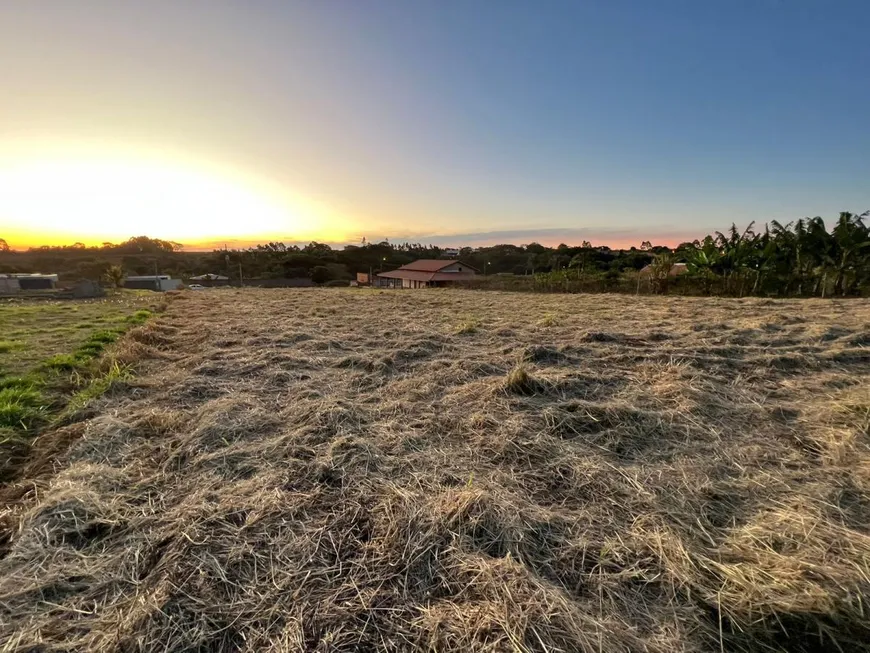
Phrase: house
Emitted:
{"points": [[676, 270], [210, 279], [159, 282], [426, 273]]}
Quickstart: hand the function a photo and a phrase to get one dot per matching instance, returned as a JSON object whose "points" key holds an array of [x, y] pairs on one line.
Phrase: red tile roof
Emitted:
{"points": [[412, 275], [428, 265]]}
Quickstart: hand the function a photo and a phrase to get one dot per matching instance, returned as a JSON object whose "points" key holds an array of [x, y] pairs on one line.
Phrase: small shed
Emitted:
{"points": [[158, 282], [36, 281], [9, 284]]}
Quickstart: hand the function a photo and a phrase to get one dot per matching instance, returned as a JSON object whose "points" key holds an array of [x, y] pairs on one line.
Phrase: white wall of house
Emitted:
{"points": [[455, 267]]}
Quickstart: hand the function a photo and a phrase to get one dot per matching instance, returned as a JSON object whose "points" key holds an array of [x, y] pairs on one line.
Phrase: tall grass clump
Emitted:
{"points": [[468, 325], [20, 406], [519, 381]]}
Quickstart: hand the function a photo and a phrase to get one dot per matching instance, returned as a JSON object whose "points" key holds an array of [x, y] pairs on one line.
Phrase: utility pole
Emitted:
{"points": [[241, 281]]}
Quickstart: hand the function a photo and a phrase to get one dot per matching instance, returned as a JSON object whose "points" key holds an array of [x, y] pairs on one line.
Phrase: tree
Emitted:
{"points": [[320, 274], [702, 262], [115, 276], [660, 271], [4, 246], [852, 240]]}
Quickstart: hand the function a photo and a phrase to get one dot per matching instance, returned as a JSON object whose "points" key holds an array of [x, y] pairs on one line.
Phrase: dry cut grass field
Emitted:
{"points": [[337, 470]]}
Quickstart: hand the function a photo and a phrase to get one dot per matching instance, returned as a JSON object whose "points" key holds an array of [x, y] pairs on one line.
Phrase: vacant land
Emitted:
{"points": [[49, 354], [32, 331], [444, 470]]}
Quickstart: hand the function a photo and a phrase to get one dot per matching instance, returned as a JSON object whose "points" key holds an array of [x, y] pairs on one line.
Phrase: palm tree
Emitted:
{"points": [[660, 270], [115, 276]]}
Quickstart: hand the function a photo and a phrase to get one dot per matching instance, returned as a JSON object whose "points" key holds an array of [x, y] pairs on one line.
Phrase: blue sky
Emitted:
{"points": [[473, 120]]}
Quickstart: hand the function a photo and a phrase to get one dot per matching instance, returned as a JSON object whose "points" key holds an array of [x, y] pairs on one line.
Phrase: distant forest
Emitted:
{"points": [[801, 258]]}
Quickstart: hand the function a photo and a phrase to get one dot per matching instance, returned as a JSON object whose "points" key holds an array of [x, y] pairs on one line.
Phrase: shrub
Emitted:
{"points": [[115, 275], [320, 274]]}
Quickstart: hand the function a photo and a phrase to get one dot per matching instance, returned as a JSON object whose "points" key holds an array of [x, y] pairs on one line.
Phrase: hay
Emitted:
{"points": [[309, 470]]}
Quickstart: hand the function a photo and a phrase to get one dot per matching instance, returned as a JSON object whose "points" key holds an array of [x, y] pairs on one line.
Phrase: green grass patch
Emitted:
{"points": [[97, 387], [139, 317], [104, 337], [96, 344], [53, 372], [21, 382], [62, 363], [20, 407]]}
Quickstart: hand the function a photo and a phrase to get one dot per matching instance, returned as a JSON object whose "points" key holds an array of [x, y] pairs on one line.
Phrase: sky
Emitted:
{"points": [[453, 122]]}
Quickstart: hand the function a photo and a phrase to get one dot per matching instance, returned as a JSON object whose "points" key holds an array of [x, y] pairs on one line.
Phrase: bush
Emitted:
{"points": [[320, 274], [336, 283]]}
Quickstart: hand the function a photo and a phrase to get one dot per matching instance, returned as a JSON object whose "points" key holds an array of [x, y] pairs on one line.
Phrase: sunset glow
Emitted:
{"points": [[93, 199]]}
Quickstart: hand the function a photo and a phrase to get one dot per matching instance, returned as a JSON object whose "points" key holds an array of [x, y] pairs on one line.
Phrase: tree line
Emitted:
{"points": [[800, 258]]}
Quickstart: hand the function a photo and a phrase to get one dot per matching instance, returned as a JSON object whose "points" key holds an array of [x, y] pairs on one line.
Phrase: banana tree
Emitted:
{"points": [[703, 262], [851, 239]]}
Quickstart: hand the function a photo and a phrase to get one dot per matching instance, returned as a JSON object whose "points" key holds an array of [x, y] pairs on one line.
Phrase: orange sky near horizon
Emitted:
{"points": [[64, 193], [60, 195]]}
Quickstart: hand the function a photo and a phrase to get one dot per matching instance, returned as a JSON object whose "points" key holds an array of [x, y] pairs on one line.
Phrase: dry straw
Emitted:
{"points": [[328, 470]]}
